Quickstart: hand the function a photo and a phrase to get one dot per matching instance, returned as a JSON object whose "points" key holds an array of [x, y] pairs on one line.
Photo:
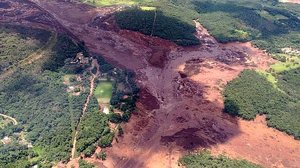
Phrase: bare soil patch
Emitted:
{"points": [[147, 100]]}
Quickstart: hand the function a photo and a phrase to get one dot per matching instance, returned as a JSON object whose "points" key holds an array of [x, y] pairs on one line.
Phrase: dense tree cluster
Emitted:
{"points": [[41, 104], [158, 23], [289, 81], [125, 97], [93, 126], [84, 164], [205, 160], [45, 112], [251, 94], [16, 155], [64, 48], [18, 43], [271, 26]]}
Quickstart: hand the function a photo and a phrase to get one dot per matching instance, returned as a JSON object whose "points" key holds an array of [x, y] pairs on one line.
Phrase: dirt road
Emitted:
{"points": [[92, 88], [15, 122], [181, 105]]}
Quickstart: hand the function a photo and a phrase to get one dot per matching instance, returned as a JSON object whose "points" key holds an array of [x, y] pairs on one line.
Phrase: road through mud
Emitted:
{"points": [[181, 104]]}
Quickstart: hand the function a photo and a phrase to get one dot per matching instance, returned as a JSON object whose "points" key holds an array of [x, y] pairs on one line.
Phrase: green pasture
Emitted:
{"points": [[103, 92]]}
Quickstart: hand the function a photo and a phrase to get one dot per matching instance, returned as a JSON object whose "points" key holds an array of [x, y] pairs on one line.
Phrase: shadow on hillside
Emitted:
{"points": [[250, 16], [157, 23]]}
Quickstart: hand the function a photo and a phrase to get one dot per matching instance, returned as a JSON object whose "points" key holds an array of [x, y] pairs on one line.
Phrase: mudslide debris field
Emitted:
{"points": [[180, 106]]}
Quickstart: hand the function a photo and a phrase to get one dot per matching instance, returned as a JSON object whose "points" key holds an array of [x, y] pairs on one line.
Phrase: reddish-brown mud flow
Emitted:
{"points": [[180, 109]]}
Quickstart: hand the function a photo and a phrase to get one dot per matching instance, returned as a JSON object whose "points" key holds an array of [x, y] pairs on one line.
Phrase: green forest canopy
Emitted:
{"points": [[204, 159], [252, 94], [47, 114]]}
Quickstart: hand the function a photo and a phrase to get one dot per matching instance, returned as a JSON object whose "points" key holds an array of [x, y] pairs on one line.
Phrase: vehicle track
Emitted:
{"points": [[15, 122], [84, 109]]}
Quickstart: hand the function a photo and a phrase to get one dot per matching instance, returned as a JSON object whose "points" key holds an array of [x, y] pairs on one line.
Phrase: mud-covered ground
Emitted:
{"points": [[180, 108]]}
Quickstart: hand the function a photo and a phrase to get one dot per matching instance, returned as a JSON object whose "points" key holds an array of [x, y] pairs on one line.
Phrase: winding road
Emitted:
{"points": [[11, 118]]}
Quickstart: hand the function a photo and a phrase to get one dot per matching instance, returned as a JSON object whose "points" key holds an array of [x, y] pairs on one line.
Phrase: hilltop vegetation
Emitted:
{"points": [[205, 160], [271, 26], [252, 94], [156, 18], [18, 43], [162, 21]]}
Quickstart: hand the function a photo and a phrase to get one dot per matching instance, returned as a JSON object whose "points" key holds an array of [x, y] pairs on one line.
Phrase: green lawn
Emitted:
{"points": [[103, 92], [280, 67]]}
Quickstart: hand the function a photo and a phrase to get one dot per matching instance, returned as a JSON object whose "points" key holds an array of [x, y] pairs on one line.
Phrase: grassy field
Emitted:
{"points": [[270, 77], [103, 92], [286, 62]]}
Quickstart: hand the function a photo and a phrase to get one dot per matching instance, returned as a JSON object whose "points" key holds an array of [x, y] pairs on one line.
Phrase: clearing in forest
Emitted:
{"points": [[103, 92]]}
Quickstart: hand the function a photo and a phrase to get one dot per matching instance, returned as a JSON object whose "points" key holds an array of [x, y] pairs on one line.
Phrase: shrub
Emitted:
{"points": [[206, 160], [106, 140], [101, 155]]}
